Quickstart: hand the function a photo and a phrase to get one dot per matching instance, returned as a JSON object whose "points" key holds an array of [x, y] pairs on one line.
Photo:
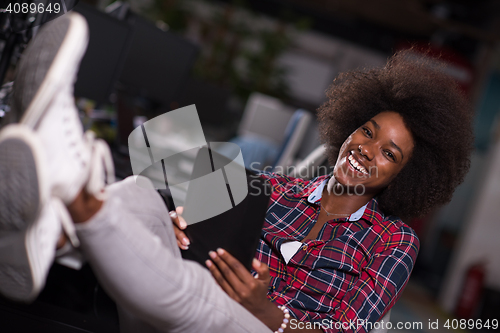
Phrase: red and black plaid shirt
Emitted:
{"points": [[354, 270]]}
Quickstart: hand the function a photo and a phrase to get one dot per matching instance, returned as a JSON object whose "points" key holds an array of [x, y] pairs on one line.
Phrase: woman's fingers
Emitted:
{"points": [[262, 270], [177, 219], [228, 271], [237, 281], [182, 240], [221, 280], [236, 266], [179, 224]]}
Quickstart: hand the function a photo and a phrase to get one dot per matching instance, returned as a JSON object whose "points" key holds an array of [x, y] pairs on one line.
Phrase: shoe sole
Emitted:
{"points": [[71, 48], [22, 195]]}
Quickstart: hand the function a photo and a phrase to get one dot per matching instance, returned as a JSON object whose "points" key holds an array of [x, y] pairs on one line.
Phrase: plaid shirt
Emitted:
{"points": [[354, 270]]}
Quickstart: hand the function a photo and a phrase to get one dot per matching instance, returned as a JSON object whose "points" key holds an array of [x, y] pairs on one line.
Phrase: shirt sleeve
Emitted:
{"points": [[276, 179], [380, 284]]}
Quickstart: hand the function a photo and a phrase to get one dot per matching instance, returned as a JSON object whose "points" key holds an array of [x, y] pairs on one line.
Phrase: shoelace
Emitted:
{"points": [[101, 173]]}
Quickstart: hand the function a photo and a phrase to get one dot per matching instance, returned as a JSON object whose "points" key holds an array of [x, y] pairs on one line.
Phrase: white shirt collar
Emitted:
{"points": [[318, 193]]}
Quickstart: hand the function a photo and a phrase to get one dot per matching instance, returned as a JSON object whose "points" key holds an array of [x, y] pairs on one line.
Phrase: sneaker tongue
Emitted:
{"points": [[101, 166], [66, 221]]}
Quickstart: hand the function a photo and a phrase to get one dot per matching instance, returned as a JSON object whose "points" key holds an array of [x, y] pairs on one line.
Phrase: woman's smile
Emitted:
{"points": [[357, 166]]}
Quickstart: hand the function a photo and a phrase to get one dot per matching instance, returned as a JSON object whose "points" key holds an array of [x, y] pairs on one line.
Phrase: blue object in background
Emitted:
{"points": [[487, 112]]}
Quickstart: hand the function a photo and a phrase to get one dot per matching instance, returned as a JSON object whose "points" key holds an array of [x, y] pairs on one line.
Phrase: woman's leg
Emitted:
{"points": [[136, 267], [153, 215], [145, 274]]}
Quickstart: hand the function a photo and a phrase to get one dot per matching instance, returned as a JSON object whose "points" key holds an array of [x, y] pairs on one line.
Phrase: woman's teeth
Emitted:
{"points": [[356, 165]]}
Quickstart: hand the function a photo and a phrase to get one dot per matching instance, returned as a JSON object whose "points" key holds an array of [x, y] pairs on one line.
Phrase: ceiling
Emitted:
{"points": [[381, 24], [417, 17]]}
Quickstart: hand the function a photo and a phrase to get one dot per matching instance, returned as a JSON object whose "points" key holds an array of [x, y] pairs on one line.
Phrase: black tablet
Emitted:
{"points": [[238, 229]]}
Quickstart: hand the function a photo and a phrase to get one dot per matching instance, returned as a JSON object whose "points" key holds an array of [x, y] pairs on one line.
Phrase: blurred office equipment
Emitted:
{"points": [[294, 134], [212, 102], [158, 63], [109, 40], [270, 132], [470, 294], [155, 70], [265, 117], [307, 167]]}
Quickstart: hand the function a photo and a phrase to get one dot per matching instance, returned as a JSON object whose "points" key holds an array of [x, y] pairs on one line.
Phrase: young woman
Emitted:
{"points": [[399, 139], [334, 255]]}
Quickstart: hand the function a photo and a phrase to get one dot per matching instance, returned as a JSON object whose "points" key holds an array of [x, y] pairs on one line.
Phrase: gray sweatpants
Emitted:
{"points": [[131, 246]]}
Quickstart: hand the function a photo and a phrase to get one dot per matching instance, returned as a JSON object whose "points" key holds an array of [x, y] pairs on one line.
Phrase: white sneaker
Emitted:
{"points": [[29, 227], [63, 159], [43, 93]]}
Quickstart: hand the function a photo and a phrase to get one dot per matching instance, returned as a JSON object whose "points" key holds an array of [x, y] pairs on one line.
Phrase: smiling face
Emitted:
{"points": [[375, 153]]}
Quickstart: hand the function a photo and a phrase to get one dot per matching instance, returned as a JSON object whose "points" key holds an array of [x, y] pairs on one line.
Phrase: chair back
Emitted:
{"points": [[294, 134]]}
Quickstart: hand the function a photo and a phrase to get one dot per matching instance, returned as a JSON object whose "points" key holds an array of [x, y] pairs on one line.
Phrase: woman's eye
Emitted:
{"points": [[367, 132], [390, 155]]}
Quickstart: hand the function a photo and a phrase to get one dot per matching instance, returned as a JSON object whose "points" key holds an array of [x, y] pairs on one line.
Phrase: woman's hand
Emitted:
{"points": [[249, 291], [179, 225], [240, 285]]}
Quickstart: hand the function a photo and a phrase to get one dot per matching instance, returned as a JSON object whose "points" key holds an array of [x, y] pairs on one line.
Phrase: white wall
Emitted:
{"points": [[480, 238], [316, 59]]}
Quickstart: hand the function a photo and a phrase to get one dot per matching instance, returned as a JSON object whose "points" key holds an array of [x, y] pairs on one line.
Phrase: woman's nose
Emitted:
{"points": [[365, 151]]}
